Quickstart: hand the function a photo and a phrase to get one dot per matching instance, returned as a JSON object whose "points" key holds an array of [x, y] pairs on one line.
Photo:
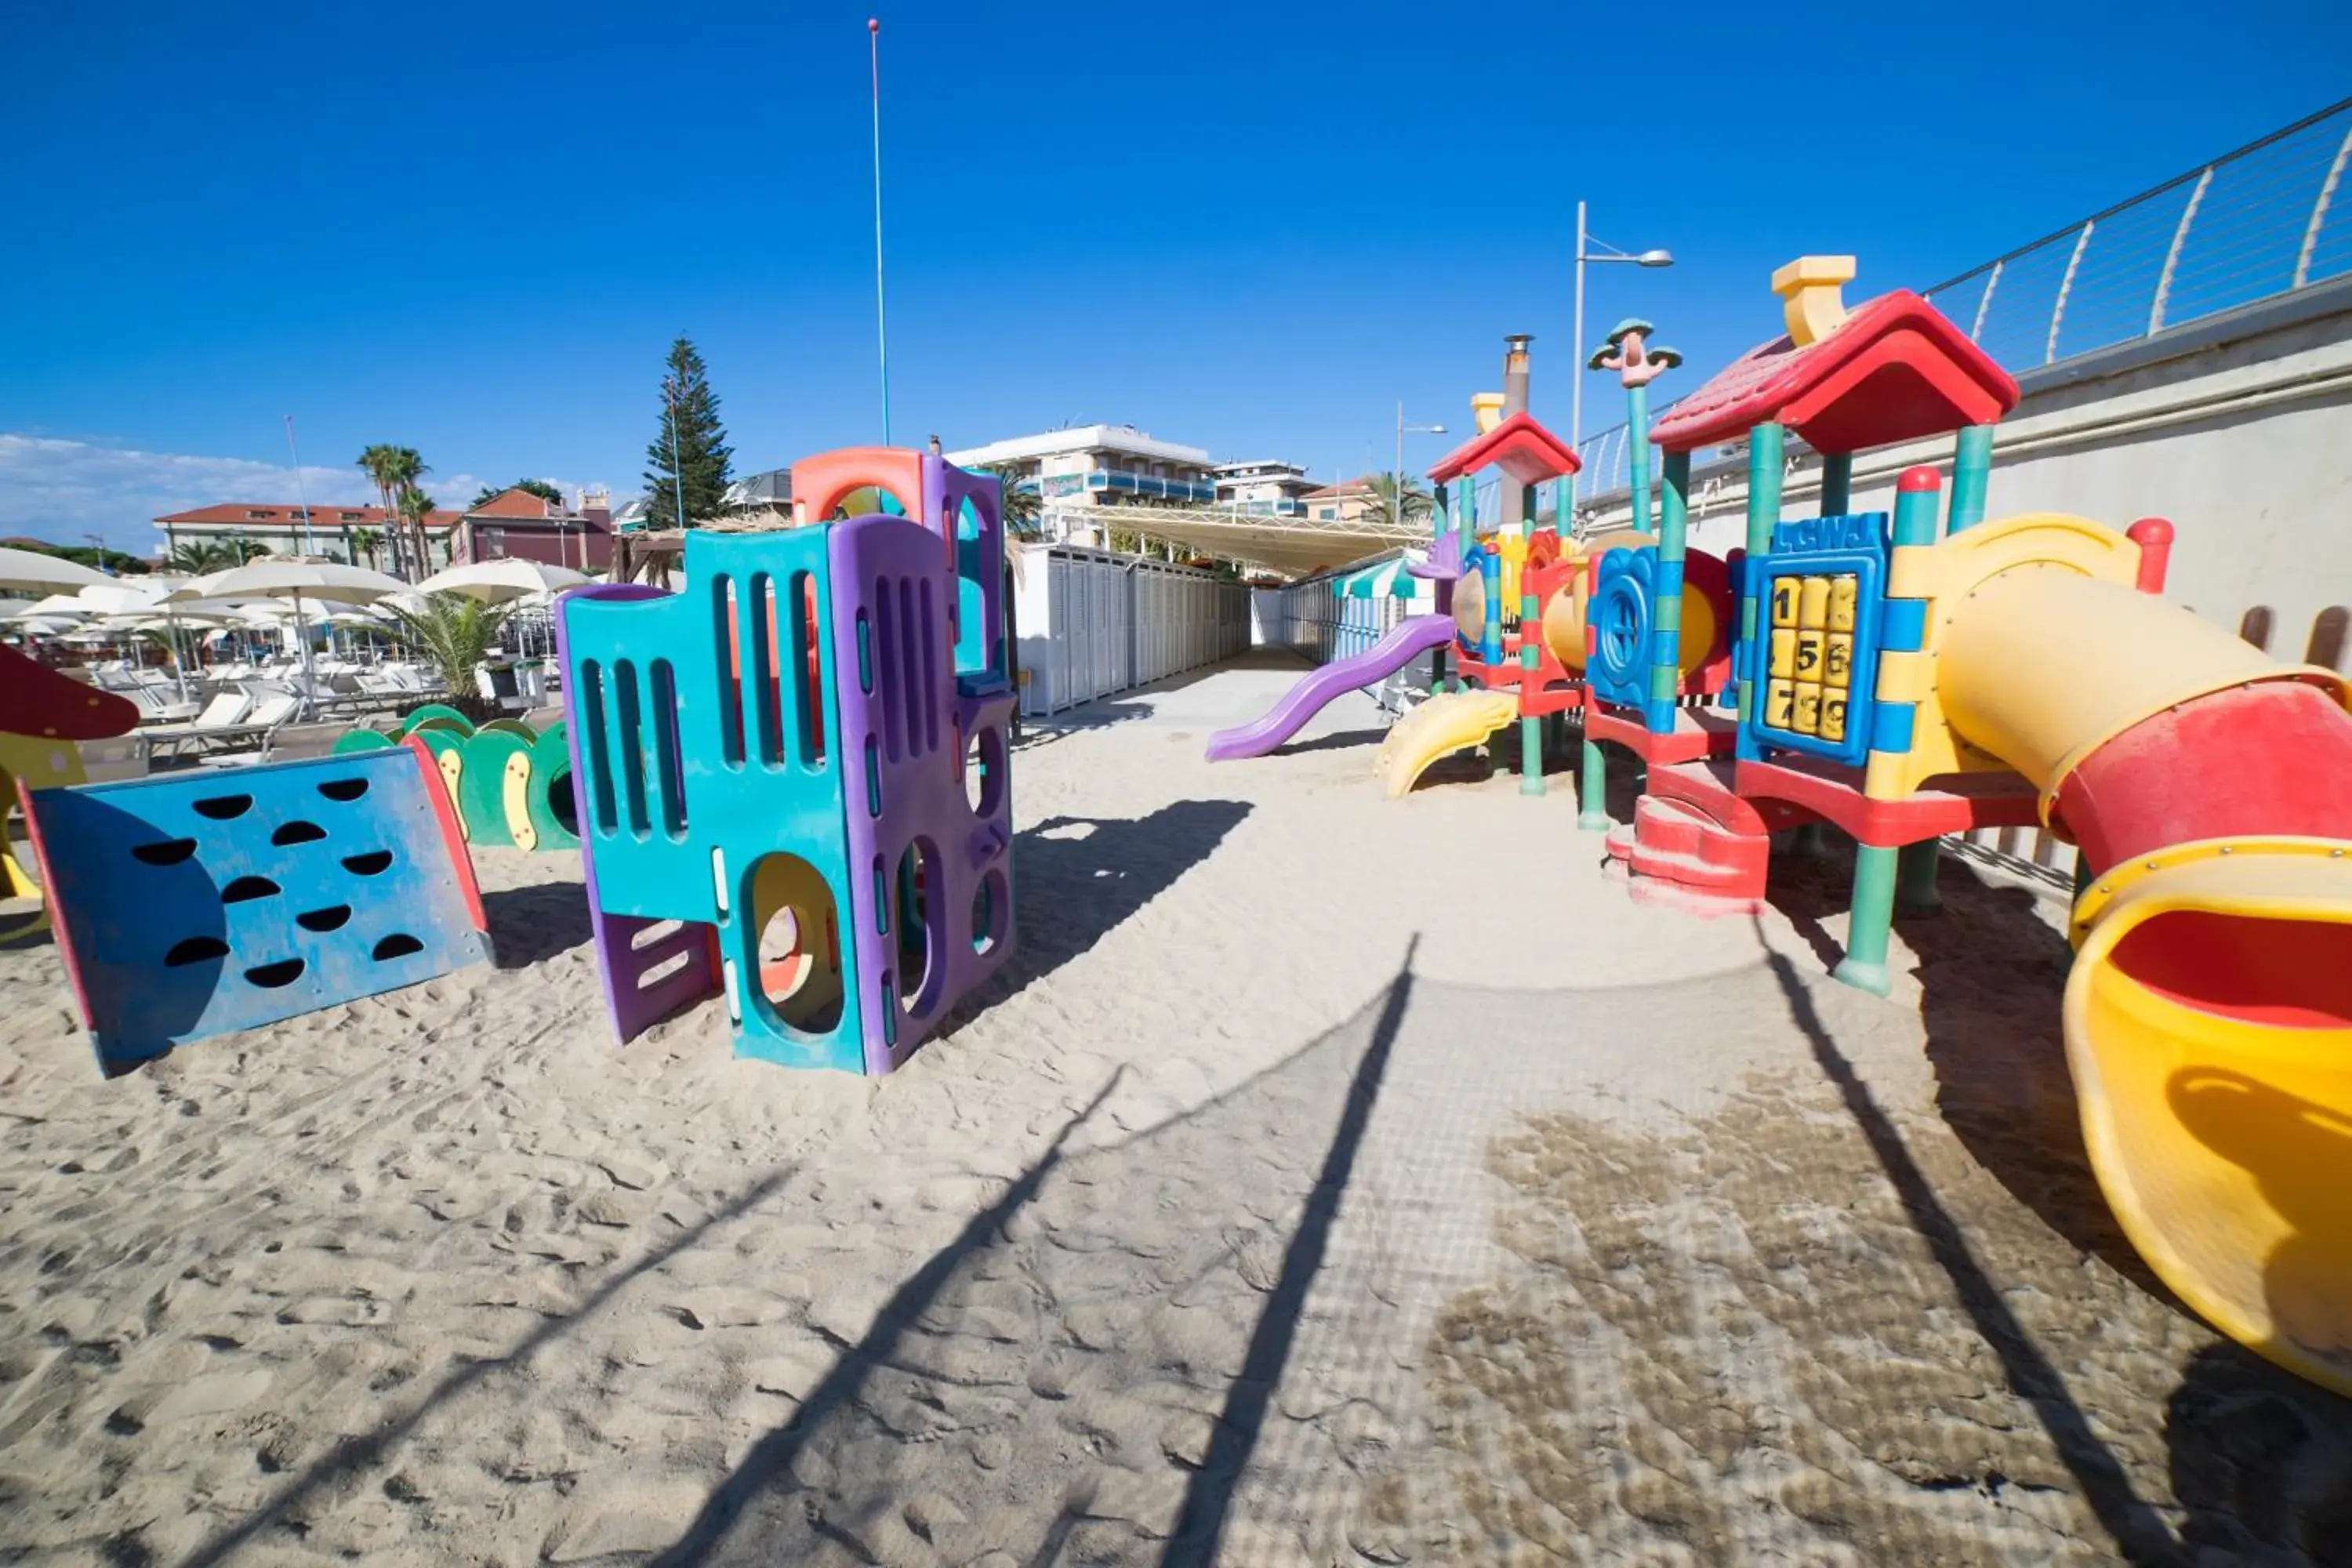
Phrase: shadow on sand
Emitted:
{"points": [[2261, 1460]]}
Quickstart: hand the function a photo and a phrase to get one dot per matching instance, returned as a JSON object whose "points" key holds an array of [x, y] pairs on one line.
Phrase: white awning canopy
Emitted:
{"points": [[1291, 546]]}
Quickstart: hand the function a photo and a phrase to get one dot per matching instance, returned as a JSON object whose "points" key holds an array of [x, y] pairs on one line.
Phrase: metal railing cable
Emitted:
{"points": [[2266, 219]]}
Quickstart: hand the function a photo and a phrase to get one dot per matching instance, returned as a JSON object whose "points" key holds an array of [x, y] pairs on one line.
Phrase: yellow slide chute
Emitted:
{"points": [[1442, 725], [2209, 1012]]}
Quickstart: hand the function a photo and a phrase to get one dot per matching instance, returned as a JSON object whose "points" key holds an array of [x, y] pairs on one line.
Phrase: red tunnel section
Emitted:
{"points": [[2271, 759]]}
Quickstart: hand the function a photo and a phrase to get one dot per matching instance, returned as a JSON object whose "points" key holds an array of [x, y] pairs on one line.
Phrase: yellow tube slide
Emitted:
{"points": [[1443, 725], [2209, 1013]]}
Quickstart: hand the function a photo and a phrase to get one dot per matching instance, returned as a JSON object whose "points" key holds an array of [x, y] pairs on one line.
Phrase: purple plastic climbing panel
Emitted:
{"points": [[931, 887]]}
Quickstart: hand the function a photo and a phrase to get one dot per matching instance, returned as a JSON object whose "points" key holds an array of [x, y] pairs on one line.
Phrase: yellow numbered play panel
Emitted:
{"points": [[1811, 668]]}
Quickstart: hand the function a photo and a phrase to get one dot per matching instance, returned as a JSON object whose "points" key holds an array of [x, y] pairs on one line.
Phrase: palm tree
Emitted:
{"points": [[1023, 505], [200, 557], [367, 542], [380, 461], [415, 506], [1384, 501], [194, 558], [394, 471], [455, 634]]}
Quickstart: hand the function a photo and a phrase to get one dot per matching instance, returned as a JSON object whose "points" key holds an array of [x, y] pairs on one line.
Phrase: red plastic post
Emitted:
{"points": [[2154, 537], [1922, 477]]}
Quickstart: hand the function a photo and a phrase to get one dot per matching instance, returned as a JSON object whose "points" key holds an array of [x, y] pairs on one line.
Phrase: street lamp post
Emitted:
{"points": [[1396, 517], [1396, 482], [1607, 252]]}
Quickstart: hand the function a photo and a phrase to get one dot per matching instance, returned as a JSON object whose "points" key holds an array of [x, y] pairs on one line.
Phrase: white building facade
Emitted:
{"points": [[1264, 486], [1101, 464]]}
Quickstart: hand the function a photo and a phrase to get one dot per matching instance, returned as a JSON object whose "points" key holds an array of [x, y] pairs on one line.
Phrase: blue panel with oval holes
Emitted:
{"points": [[194, 904]]}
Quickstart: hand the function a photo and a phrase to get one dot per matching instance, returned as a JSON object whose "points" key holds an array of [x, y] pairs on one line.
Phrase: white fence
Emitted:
{"points": [[1093, 622]]}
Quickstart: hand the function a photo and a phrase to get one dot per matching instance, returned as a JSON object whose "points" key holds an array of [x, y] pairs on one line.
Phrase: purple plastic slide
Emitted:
{"points": [[1414, 635]]}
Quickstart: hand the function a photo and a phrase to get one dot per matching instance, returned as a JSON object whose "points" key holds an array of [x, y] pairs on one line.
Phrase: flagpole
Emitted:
{"points": [[676, 470], [881, 328], [309, 540]]}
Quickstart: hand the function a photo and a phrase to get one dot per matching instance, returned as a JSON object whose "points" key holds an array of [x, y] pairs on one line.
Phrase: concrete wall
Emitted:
{"points": [[2238, 428]]}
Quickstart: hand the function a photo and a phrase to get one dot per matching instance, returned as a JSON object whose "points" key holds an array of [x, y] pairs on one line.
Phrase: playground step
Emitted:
{"points": [[1671, 842]]}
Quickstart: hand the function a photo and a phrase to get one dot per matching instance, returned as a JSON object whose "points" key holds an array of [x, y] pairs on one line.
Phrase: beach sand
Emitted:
{"points": [[1329, 1181]]}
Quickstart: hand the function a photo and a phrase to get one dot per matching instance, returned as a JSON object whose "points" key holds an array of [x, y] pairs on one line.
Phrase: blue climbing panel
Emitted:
{"points": [[192, 905]]}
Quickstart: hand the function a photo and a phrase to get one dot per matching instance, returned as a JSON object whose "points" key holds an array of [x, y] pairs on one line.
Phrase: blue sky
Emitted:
{"points": [[474, 229]]}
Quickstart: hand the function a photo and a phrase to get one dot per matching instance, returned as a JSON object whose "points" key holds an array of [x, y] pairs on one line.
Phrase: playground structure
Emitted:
{"points": [[791, 775], [192, 904], [2017, 672], [42, 714], [1858, 670], [511, 784], [1513, 602]]}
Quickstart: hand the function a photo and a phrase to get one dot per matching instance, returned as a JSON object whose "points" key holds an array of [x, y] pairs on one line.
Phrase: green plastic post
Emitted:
{"points": [[1837, 483], [1763, 511], [1864, 964], [1915, 517], [1593, 800], [1437, 525], [1531, 780], [1915, 880], [1674, 508], [1637, 439], [1971, 472]]}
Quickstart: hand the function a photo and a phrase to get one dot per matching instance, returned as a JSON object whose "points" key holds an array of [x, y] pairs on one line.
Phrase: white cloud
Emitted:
{"points": [[60, 489], [65, 491]]}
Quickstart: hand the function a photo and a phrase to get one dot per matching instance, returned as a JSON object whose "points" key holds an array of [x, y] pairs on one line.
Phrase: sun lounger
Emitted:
{"points": [[237, 725]]}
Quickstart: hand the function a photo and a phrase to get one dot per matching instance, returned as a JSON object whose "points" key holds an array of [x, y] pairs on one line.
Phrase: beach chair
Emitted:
{"points": [[238, 724]]}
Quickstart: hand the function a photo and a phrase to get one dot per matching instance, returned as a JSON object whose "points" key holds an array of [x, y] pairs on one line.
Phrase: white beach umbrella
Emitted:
{"points": [[55, 607], [139, 597], [495, 581], [293, 581], [510, 581], [29, 570]]}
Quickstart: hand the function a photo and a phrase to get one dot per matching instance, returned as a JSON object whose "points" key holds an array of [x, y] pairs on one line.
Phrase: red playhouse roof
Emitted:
{"points": [[1518, 446], [1895, 370]]}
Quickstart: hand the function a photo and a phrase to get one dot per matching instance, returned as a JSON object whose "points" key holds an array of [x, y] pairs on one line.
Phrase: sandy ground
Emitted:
{"points": [[1331, 1181]]}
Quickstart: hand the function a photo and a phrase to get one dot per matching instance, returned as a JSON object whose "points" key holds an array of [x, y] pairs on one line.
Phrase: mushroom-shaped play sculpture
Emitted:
{"points": [[1632, 355]]}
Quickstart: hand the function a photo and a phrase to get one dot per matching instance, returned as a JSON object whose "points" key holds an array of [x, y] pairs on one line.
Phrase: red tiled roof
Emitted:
{"points": [[514, 502], [1344, 489], [1895, 370], [1519, 446], [253, 514]]}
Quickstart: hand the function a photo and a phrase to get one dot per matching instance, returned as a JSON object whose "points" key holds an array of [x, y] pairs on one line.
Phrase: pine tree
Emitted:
{"points": [[703, 457]]}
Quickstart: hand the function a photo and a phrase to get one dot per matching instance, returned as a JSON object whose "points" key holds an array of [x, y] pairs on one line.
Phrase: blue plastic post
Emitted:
{"points": [[1666, 623]]}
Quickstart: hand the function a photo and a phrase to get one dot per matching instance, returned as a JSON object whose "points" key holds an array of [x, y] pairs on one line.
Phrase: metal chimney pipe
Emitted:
{"points": [[1515, 401], [1515, 372]]}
